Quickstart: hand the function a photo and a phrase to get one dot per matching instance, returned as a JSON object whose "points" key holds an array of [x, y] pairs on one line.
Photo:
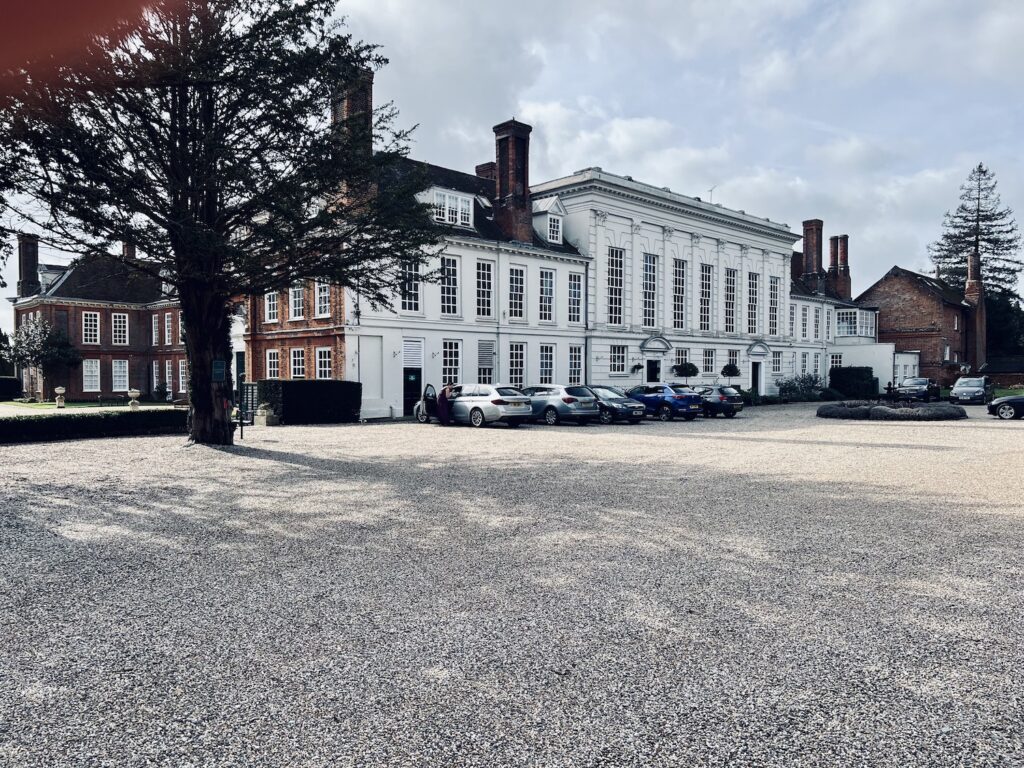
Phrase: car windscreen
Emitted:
{"points": [[970, 383], [508, 391], [608, 393], [683, 391], [914, 382], [579, 392]]}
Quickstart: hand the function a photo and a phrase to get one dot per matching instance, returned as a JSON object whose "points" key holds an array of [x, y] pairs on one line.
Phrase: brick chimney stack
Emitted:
{"points": [[844, 285], [128, 251], [28, 265], [352, 111], [512, 209], [812, 252], [974, 293], [833, 255], [487, 170]]}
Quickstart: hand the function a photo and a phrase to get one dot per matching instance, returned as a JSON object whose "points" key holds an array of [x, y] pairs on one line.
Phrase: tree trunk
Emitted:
{"points": [[208, 340]]}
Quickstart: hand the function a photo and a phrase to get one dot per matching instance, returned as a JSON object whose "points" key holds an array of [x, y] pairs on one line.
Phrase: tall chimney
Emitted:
{"points": [[976, 325], [352, 111], [844, 283], [28, 265], [812, 252], [128, 251], [833, 254], [512, 209]]}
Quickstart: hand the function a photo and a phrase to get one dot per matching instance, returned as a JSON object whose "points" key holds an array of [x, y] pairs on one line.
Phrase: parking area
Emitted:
{"points": [[773, 589]]}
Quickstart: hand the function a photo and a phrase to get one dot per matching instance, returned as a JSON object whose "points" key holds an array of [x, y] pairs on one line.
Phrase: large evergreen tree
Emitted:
{"points": [[202, 135], [980, 223]]}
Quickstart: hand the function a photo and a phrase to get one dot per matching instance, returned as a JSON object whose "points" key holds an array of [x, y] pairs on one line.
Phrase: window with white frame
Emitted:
{"points": [[792, 320], [298, 358], [776, 363], [650, 291], [451, 361], [270, 307], [817, 322], [546, 373], [183, 375], [410, 286], [156, 374], [803, 322], [828, 325], [575, 364], [866, 324], [119, 375], [169, 377], [119, 329], [846, 322], [168, 328], [617, 359], [803, 362], [817, 363], [730, 301], [296, 302], [682, 356], [706, 277], [324, 363], [734, 357], [156, 330], [835, 361], [575, 297], [273, 364], [773, 306], [516, 292], [709, 361], [946, 355], [90, 327], [322, 291], [516, 363], [485, 351], [453, 209], [678, 293], [181, 330], [554, 229], [615, 261], [753, 302], [547, 295], [449, 286], [90, 375], [484, 289]]}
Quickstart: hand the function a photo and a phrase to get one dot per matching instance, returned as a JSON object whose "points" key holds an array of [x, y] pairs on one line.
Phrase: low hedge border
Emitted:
{"points": [[76, 426], [863, 410]]}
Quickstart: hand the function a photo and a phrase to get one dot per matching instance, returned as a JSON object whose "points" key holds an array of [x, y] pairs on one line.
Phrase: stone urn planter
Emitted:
{"points": [[133, 395], [265, 416], [59, 396]]}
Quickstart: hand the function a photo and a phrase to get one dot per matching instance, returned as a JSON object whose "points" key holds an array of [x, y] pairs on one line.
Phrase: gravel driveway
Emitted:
{"points": [[770, 590]]}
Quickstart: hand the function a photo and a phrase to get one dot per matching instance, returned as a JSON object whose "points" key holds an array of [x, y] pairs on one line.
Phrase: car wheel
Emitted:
{"points": [[551, 417], [1006, 412], [730, 414], [476, 418], [606, 417], [422, 417], [665, 413]]}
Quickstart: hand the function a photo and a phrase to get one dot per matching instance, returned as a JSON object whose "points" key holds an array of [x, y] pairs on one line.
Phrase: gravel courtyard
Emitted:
{"points": [[771, 590]]}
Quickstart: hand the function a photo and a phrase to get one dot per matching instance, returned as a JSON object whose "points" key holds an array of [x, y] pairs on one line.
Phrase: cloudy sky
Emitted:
{"points": [[866, 114]]}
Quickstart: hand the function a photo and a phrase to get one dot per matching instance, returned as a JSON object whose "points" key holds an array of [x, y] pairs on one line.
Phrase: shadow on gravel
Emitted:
{"points": [[320, 610]]}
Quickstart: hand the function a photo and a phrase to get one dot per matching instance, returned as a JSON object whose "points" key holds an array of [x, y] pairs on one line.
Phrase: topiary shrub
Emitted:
{"points": [[832, 395], [72, 426], [851, 410], [861, 409], [855, 381], [316, 401]]}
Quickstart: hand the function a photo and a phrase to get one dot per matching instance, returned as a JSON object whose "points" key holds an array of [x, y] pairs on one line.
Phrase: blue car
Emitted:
{"points": [[667, 401]]}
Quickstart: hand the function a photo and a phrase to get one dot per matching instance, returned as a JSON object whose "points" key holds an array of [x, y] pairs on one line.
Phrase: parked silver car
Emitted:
{"points": [[554, 402], [477, 405]]}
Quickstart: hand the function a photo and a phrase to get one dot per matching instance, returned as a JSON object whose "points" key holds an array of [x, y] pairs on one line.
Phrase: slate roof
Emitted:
{"points": [[103, 278], [948, 293]]}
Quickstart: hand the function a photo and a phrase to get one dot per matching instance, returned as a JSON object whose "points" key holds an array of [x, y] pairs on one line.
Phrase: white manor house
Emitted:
{"points": [[598, 278]]}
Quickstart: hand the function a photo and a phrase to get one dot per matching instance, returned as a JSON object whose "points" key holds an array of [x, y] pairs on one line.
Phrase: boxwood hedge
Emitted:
{"points": [[72, 426]]}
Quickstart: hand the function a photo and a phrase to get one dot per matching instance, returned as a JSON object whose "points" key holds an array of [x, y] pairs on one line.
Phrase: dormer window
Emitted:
{"points": [[453, 209], [554, 229]]}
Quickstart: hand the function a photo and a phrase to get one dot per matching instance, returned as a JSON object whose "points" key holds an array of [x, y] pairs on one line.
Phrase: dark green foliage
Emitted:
{"points": [[859, 409], [853, 381], [10, 387], [685, 370], [980, 223], [832, 395], [6, 367], [800, 388], [327, 401], [73, 426], [730, 371], [1004, 317], [204, 137]]}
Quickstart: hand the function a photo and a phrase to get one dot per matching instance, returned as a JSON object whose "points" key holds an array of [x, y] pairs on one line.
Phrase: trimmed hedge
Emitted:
{"points": [[853, 381], [10, 387], [75, 426], [860, 409], [323, 401]]}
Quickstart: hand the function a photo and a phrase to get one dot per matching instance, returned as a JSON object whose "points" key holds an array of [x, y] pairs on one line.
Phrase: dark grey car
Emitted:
{"points": [[973, 389], [553, 403]]}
